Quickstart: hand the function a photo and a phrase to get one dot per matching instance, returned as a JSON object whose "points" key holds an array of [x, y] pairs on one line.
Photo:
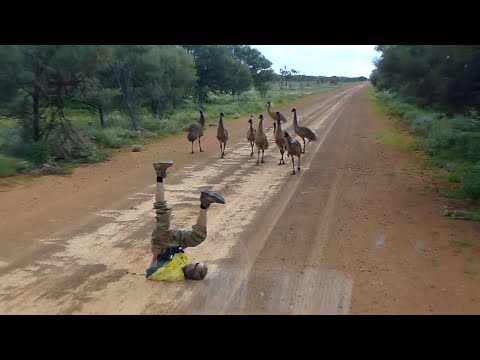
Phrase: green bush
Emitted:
{"points": [[443, 140], [10, 166], [422, 123], [111, 138], [467, 146], [470, 183], [463, 214], [12, 141], [441, 137], [38, 152]]}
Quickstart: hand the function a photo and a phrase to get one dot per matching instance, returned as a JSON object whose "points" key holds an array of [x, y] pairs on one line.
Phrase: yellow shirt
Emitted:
{"points": [[172, 270]]}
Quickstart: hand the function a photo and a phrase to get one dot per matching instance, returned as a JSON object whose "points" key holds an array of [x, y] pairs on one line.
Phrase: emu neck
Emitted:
{"points": [[295, 124], [278, 130]]}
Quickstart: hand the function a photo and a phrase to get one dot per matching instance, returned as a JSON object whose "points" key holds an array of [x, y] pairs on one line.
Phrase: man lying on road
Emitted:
{"points": [[169, 261]]}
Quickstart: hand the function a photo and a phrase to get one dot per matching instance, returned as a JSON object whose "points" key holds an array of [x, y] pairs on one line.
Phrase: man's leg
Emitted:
{"points": [[161, 234], [206, 199], [198, 233]]}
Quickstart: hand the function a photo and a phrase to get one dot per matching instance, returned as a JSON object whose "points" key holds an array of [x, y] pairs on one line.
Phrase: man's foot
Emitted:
{"points": [[161, 167], [208, 197]]}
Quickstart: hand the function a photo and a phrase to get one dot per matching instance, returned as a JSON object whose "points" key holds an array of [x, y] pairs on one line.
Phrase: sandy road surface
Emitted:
{"points": [[330, 240]]}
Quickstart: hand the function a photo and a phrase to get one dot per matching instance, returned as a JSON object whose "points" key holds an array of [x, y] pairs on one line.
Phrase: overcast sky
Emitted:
{"points": [[322, 60]]}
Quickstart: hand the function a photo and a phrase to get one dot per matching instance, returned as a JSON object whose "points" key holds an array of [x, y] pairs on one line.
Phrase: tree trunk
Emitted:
{"points": [[174, 102], [124, 83], [102, 119], [131, 114], [154, 108], [36, 115]]}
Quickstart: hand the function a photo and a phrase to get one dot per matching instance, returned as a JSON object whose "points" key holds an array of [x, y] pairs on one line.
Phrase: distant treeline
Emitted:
{"points": [[320, 79]]}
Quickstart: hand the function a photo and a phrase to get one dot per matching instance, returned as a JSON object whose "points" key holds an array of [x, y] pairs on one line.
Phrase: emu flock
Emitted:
{"points": [[257, 137]]}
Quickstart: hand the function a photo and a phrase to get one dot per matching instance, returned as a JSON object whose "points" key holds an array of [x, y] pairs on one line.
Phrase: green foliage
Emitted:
{"points": [[443, 76], [111, 138], [41, 77], [10, 166], [241, 79], [453, 143], [463, 214], [470, 183], [12, 141], [38, 152]]}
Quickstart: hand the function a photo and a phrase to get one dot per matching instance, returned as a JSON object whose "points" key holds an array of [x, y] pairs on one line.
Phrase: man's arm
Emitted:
{"points": [[153, 264]]}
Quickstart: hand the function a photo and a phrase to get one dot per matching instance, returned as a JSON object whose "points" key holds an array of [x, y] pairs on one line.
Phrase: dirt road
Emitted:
{"points": [[352, 233]]}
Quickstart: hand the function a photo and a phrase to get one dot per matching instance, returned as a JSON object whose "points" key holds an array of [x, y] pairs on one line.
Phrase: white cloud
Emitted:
{"points": [[322, 60]]}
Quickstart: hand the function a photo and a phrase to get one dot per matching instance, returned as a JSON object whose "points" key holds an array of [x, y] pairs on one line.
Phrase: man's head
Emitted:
{"points": [[195, 271]]}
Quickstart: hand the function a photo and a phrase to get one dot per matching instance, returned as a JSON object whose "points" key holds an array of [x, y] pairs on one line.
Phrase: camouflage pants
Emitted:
{"points": [[163, 236]]}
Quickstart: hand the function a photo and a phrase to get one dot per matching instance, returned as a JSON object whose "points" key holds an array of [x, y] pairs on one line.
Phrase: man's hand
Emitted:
{"points": [[155, 251]]}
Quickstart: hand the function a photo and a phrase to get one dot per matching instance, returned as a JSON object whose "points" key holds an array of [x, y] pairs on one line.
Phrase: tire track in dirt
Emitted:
{"points": [[53, 284]]}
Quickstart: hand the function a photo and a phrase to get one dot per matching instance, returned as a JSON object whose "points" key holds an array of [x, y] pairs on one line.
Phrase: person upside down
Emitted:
{"points": [[169, 261]]}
